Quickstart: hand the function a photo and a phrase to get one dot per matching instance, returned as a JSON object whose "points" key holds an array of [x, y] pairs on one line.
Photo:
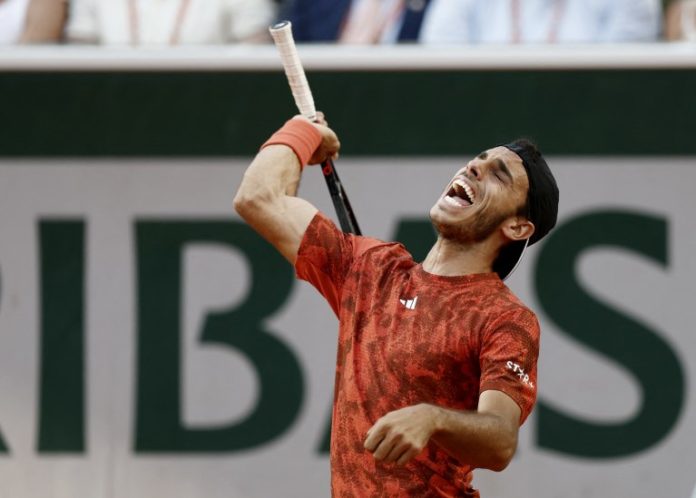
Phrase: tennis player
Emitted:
{"points": [[436, 366]]}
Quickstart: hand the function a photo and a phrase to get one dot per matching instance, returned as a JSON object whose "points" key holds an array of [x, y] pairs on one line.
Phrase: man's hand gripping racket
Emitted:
{"points": [[282, 36]]}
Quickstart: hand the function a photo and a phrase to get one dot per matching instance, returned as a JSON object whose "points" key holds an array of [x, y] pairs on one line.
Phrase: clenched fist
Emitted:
{"points": [[402, 434]]}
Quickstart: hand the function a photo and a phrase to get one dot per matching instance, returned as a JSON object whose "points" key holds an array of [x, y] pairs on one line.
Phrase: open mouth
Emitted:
{"points": [[460, 194]]}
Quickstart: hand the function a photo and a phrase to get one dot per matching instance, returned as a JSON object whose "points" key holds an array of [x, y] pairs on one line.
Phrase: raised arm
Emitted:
{"points": [[266, 197]]}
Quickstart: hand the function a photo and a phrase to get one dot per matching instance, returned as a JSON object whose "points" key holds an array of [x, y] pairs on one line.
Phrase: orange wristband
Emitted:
{"points": [[302, 137]]}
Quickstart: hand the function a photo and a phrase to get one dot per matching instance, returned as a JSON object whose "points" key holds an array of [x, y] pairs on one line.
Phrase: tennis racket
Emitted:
{"points": [[282, 36]]}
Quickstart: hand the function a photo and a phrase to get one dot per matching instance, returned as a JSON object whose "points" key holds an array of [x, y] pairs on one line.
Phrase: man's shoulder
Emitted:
{"points": [[504, 302], [373, 250]]}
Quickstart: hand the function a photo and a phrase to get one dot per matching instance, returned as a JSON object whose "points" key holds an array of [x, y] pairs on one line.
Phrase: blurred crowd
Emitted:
{"points": [[197, 22]]}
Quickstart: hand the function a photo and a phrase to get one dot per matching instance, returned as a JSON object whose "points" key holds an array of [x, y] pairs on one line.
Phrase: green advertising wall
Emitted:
{"points": [[569, 112]]}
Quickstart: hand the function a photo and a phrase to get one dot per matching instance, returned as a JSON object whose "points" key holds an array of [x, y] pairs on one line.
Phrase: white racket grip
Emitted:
{"points": [[282, 36]]}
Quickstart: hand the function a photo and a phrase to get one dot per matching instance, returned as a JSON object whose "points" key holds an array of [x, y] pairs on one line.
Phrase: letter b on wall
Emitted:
{"points": [[160, 246]]}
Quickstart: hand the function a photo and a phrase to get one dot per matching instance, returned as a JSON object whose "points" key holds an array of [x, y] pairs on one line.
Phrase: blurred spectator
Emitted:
{"points": [[12, 16], [31, 21], [541, 21], [45, 21], [356, 21], [680, 20], [169, 22]]}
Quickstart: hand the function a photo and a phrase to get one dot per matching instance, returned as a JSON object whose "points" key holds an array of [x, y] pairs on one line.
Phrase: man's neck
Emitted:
{"points": [[448, 258]]}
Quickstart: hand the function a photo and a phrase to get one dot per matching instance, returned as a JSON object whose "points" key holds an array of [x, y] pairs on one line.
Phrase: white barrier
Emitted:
{"points": [[367, 58]]}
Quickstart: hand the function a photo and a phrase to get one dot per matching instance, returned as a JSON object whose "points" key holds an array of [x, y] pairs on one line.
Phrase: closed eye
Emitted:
{"points": [[502, 172]]}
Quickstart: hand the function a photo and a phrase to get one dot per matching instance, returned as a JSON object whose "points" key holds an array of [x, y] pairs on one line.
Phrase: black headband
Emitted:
{"points": [[542, 197], [542, 205]]}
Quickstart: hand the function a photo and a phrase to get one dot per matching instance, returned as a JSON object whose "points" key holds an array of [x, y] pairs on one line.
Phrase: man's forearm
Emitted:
{"points": [[485, 439], [266, 197], [479, 439], [274, 172]]}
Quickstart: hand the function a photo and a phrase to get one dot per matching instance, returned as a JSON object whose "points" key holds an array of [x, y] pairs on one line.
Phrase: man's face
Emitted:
{"points": [[491, 188]]}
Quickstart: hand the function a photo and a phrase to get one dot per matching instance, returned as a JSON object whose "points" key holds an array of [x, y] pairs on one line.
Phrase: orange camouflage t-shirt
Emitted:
{"points": [[407, 337]]}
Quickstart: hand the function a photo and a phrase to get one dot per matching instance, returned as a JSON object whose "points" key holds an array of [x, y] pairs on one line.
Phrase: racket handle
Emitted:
{"points": [[282, 36]]}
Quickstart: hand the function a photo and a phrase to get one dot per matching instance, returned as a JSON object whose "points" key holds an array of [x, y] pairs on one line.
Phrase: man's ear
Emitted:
{"points": [[518, 228]]}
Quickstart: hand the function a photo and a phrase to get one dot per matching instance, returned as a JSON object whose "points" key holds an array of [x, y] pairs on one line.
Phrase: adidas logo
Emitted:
{"points": [[409, 303]]}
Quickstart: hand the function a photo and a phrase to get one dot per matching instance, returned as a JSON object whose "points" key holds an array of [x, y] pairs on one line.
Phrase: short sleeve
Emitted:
{"points": [[446, 21], [508, 358], [246, 18], [326, 255], [633, 20], [82, 21]]}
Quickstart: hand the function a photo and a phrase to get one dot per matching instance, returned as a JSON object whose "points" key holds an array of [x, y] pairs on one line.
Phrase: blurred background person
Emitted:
{"points": [[541, 21], [45, 21], [170, 22], [31, 21], [13, 14], [680, 20], [356, 21]]}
